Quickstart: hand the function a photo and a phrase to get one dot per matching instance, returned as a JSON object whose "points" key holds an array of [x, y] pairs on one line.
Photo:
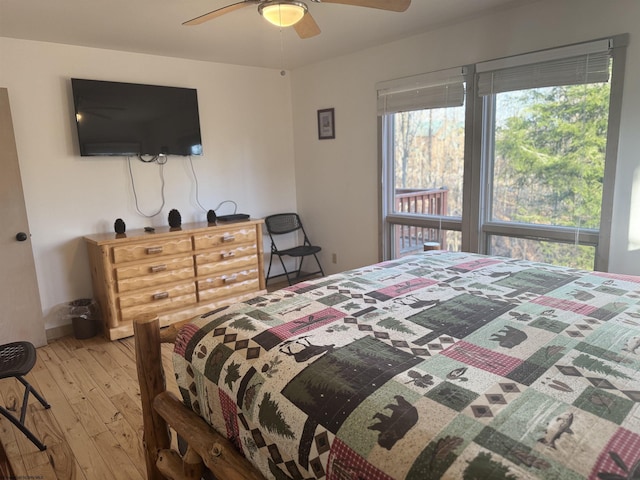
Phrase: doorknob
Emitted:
{"points": [[21, 236]]}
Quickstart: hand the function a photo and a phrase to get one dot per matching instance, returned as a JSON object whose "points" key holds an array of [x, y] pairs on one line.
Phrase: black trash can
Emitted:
{"points": [[83, 313]]}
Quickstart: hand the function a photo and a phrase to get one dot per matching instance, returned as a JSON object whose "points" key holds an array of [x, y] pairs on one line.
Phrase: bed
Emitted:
{"points": [[437, 365]]}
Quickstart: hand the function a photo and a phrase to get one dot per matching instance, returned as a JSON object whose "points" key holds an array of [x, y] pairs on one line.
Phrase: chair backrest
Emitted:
{"points": [[281, 223], [16, 359]]}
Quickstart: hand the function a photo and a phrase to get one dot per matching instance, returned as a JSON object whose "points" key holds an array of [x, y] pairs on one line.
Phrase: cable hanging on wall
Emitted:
{"points": [[235, 205], [197, 187], [195, 181], [161, 161], [155, 158]]}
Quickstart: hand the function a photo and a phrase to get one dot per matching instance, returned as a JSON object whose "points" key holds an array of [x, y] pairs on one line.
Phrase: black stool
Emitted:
{"points": [[16, 360]]}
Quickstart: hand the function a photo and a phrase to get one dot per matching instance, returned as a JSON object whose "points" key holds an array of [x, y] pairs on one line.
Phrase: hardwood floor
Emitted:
{"points": [[93, 429]]}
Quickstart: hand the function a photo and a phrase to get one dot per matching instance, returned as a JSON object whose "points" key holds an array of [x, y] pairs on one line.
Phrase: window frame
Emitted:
{"points": [[475, 224]]}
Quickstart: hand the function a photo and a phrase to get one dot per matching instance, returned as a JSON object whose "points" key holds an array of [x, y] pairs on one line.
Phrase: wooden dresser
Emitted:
{"points": [[176, 274]]}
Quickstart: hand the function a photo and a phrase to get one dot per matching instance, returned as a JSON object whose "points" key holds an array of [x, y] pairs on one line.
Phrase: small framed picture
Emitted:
{"points": [[326, 124]]}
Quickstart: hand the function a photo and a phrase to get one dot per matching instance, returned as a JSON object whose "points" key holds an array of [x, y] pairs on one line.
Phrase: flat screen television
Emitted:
{"points": [[130, 119]]}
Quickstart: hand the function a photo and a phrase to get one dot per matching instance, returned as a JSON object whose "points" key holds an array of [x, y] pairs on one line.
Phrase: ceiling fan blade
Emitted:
{"points": [[307, 27], [220, 11], [391, 5]]}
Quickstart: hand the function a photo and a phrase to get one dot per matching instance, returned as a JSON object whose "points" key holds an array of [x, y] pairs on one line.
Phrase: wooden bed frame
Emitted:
{"points": [[161, 410]]}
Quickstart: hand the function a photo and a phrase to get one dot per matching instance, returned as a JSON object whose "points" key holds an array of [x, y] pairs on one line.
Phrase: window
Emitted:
{"points": [[521, 164], [424, 118]]}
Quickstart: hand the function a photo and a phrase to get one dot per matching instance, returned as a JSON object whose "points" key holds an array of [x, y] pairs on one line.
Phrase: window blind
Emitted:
{"points": [[572, 65], [444, 88]]}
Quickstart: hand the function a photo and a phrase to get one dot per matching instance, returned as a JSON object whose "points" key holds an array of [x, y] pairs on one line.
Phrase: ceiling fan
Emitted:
{"points": [[286, 13]]}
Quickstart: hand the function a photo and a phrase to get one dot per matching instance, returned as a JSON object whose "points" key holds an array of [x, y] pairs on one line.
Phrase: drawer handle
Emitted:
{"points": [[158, 268], [160, 295], [225, 255], [153, 250], [228, 237], [230, 278]]}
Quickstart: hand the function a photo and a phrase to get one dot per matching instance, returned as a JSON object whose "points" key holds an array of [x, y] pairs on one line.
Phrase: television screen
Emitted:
{"points": [[125, 119]]}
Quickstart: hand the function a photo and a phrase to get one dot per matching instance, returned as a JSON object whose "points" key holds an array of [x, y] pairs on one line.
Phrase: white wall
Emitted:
{"points": [[249, 139], [337, 180], [247, 142]]}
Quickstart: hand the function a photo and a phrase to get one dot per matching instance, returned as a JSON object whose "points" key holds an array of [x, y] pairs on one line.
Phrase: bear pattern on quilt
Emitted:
{"points": [[438, 365]]}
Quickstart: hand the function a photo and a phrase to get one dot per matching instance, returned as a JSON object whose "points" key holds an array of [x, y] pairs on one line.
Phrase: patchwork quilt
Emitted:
{"points": [[438, 365]]}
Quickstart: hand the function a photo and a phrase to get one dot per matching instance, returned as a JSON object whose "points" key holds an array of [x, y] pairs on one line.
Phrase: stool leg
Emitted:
{"points": [[23, 410], [23, 429], [29, 388]]}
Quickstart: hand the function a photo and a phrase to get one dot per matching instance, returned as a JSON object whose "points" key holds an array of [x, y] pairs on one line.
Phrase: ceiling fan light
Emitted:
{"points": [[283, 13]]}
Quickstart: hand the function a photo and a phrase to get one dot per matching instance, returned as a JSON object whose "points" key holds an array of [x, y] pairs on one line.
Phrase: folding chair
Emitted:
{"points": [[16, 360], [284, 223]]}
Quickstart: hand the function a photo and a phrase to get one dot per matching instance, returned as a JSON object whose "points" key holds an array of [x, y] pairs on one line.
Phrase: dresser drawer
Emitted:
{"points": [[150, 249], [157, 300], [225, 254], [227, 279], [156, 295], [157, 267], [150, 275], [234, 284], [213, 263], [229, 236]]}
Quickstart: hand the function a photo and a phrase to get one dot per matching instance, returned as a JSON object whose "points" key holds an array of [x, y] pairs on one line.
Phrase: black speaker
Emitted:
{"points": [[211, 216], [119, 226], [175, 219]]}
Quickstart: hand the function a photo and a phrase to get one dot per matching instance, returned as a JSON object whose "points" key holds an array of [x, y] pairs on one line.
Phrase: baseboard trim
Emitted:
{"points": [[59, 332]]}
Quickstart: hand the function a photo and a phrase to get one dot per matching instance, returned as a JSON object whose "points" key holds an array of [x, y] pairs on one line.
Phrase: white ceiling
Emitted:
{"points": [[241, 37]]}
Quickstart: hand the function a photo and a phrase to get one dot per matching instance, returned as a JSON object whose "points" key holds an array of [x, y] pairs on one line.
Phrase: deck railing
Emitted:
{"points": [[410, 239]]}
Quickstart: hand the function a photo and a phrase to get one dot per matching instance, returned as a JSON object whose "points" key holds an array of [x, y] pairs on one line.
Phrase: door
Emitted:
{"points": [[20, 308]]}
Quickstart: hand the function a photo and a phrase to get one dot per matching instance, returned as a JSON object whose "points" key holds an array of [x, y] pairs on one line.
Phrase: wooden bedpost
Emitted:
{"points": [[161, 409], [151, 378]]}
